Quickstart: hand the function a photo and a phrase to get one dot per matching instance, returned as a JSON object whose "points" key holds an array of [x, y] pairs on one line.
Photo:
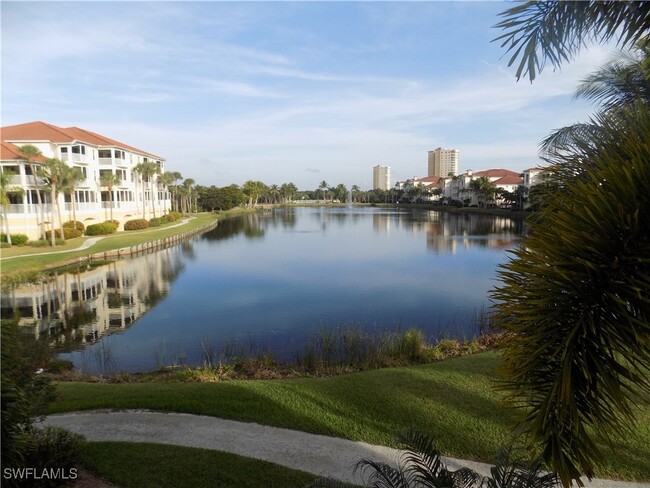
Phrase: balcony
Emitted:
{"points": [[106, 161]]}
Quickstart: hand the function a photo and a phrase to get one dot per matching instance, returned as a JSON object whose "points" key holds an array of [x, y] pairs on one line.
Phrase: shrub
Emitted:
{"points": [[71, 233], [16, 239], [114, 222], [137, 224], [155, 222], [53, 448], [101, 229], [48, 234], [173, 216], [74, 225], [24, 394]]}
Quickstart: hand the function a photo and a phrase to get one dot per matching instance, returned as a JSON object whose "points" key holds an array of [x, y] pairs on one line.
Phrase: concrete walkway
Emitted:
{"points": [[88, 243], [317, 454]]}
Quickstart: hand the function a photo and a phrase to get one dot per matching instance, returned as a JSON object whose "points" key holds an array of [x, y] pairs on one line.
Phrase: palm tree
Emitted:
{"points": [[355, 193], [5, 179], [147, 170], [420, 466], [484, 189], [109, 180], [52, 171], [323, 186], [253, 190], [188, 183], [274, 193], [30, 153], [166, 179], [71, 176], [577, 348]]}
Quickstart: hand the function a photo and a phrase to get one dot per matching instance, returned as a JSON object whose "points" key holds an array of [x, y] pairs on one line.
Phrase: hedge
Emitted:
{"points": [[101, 229], [137, 224], [155, 222], [16, 239], [68, 233], [74, 225], [173, 216]]}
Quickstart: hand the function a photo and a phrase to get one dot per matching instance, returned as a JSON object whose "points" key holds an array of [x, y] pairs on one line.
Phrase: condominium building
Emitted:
{"points": [[443, 162], [381, 177], [95, 155]]}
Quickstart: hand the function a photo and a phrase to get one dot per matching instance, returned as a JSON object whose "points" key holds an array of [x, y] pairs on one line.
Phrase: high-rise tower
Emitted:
{"points": [[443, 161]]}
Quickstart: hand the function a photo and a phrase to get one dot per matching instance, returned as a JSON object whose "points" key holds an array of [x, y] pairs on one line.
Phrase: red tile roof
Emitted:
{"points": [[10, 152], [509, 180], [495, 173], [41, 131]]}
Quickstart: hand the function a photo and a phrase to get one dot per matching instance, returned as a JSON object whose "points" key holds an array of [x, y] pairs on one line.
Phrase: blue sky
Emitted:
{"points": [[286, 91]]}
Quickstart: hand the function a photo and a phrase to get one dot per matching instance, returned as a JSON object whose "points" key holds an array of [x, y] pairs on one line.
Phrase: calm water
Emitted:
{"points": [[268, 281]]}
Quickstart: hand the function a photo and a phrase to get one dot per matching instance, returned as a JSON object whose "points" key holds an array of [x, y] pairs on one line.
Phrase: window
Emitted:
{"points": [[119, 154], [79, 149], [83, 171], [105, 153], [64, 150]]}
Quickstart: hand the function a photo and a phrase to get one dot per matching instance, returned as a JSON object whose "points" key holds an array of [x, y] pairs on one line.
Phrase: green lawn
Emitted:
{"points": [[454, 400], [114, 241], [141, 465]]}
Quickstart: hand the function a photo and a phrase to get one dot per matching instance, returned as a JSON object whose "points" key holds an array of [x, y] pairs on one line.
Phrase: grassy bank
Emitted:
{"points": [[454, 400], [44, 258]]}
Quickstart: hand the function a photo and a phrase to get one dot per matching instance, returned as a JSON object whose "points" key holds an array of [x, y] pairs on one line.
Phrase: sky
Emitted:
{"points": [[299, 92]]}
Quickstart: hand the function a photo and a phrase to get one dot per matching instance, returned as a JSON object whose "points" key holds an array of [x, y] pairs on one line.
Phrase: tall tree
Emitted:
{"points": [[166, 179], [30, 153], [322, 187]]}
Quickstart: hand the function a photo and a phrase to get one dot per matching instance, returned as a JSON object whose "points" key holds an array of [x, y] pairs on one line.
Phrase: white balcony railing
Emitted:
{"points": [[106, 161]]}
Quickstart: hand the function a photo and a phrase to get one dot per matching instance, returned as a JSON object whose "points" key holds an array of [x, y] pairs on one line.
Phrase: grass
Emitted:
{"points": [[142, 465], [119, 240], [454, 400]]}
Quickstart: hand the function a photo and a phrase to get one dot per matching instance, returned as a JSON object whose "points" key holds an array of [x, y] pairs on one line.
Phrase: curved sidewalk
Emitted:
{"points": [[317, 454]]}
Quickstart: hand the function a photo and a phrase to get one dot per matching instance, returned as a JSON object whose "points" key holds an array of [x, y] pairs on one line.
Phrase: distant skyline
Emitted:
{"points": [[286, 91]]}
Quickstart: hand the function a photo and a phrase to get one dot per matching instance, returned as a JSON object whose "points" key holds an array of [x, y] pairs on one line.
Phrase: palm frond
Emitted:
{"points": [[574, 300], [381, 475], [554, 31]]}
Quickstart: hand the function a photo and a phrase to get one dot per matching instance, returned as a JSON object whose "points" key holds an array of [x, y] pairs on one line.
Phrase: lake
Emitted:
{"points": [[268, 281]]}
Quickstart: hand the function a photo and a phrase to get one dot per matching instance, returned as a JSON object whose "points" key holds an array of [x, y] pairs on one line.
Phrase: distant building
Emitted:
{"points": [[459, 188], [381, 177], [442, 162]]}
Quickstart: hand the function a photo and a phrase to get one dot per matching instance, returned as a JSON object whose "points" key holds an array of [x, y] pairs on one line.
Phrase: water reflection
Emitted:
{"points": [[77, 308], [271, 279]]}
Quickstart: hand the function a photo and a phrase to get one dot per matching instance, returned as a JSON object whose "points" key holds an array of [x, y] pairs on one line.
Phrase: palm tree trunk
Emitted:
{"points": [[58, 211], [6, 218], [52, 226], [40, 208]]}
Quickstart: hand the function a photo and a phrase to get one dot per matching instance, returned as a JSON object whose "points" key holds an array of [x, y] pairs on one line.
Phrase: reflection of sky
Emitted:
{"points": [[281, 287]]}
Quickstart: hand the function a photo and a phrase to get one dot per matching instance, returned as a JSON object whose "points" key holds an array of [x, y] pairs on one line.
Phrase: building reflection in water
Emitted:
{"points": [[73, 309], [448, 232]]}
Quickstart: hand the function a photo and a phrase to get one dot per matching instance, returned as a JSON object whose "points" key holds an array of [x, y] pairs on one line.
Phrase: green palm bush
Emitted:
{"points": [[575, 299], [420, 466]]}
